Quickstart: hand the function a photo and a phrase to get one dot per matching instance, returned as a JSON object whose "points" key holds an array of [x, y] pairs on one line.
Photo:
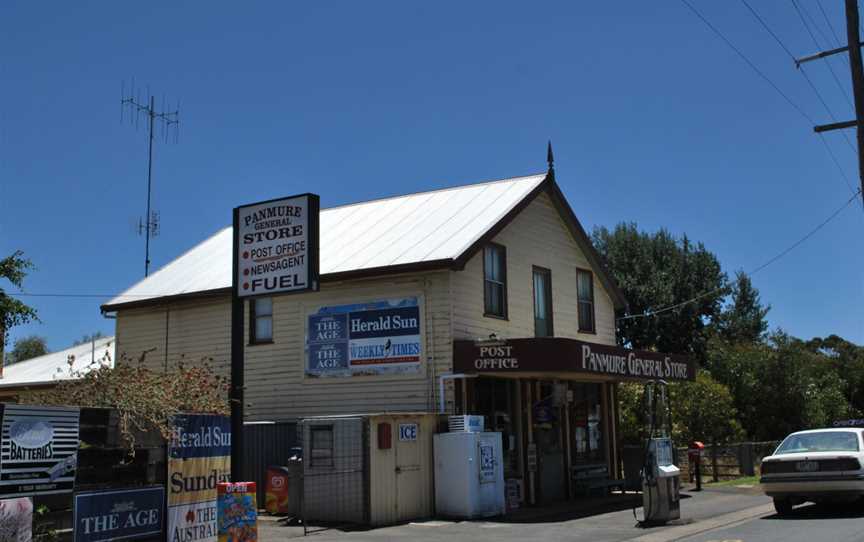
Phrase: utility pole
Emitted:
{"points": [[853, 38], [149, 225], [853, 46]]}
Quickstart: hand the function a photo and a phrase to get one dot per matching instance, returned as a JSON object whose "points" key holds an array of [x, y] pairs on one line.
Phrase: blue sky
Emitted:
{"points": [[652, 117]]}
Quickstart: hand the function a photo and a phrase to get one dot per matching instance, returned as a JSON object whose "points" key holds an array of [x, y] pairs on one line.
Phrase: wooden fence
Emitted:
{"points": [[718, 463]]}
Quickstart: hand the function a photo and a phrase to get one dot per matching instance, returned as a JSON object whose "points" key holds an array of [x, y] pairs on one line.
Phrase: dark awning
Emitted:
{"points": [[556, 354]]}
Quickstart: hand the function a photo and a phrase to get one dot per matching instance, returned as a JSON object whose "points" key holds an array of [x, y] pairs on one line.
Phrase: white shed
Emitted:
{"points": [[370, 469]]}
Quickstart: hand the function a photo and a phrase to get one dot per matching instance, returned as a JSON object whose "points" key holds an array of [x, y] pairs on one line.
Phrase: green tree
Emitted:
{"points": [[27, 348], [743, 319], [704, 410], [13, 312], [847, 359], [658, 270], [145, 399], [701, 410], [740, 367]]}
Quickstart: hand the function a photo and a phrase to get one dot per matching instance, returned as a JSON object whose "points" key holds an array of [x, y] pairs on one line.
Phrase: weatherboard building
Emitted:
{"points": [[482, 299]]}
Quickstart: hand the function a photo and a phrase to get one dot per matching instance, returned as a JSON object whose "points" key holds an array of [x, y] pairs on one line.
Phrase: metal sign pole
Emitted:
{"points": [[278, 255], [237, 365]]}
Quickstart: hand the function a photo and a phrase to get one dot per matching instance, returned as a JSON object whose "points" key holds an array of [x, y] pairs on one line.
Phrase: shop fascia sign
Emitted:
{"points": [[553, 354], [276, 246]]}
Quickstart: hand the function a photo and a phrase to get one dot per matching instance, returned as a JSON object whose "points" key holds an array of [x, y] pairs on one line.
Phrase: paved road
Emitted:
{"points": [[698, 509], [809, 523]]}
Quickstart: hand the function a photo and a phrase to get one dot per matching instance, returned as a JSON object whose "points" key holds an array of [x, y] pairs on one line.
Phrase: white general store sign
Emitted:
{"points": [[276, 246]]}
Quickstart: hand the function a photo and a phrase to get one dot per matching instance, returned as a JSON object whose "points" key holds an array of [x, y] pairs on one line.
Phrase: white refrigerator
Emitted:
{"points": [[469, 475]]}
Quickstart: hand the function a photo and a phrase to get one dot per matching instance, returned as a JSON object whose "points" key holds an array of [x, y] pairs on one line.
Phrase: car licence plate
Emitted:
{"points": [[807, 466]]}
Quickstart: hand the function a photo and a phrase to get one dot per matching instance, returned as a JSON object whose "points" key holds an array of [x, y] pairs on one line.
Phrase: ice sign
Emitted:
{"points": [[407, 431]]}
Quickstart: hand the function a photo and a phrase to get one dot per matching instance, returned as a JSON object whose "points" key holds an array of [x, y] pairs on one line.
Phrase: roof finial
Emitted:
{"points": [[550, 159]]}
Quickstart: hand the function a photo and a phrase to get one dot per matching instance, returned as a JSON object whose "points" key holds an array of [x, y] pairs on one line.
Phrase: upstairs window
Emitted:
{"points": [[542, 302], [495, 281], [261, 320], [585, 293]]}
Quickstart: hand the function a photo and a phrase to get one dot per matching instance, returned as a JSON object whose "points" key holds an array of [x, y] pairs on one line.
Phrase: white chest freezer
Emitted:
{"points": [[469, 475]]}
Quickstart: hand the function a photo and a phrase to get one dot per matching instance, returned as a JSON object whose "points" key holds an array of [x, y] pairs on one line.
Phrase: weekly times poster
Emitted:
{"points": [[199, 458]]}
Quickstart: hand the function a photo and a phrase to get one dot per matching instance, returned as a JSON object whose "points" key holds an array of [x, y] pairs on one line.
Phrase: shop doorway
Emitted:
{"points": [[587, 435], [548, 416]]}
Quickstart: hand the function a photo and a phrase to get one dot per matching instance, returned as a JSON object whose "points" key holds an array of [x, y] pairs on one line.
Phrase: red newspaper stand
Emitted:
{"points": [[694, 455]]}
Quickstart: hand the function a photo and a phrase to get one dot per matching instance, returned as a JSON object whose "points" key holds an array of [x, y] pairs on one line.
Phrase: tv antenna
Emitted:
{"points": [[169, 121]]}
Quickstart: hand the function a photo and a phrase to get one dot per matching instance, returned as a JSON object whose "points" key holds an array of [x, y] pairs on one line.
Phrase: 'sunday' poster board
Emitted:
{"points": [[199, 458]]}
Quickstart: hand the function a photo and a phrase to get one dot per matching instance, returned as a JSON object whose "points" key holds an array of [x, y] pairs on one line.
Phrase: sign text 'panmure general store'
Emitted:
{"points": [[276, 246], [554, 354]]}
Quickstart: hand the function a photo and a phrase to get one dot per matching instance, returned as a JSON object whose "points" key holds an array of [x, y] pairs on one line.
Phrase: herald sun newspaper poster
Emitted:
{"points": [[276, 246], [199, 458], [375, 338]]}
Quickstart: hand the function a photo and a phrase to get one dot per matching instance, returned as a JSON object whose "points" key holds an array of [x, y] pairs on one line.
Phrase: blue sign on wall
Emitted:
{"points": [[125, 514], [381, 337]]}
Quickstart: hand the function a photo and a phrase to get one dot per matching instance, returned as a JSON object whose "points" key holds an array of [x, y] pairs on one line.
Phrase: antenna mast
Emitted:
{"points": [[149, 225]]}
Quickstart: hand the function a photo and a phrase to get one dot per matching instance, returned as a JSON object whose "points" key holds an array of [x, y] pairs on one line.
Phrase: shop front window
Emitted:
{"points": [[587, 423]]}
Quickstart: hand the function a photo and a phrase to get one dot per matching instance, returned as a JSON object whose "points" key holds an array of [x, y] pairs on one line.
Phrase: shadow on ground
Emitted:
{"points": [[812, 511]]}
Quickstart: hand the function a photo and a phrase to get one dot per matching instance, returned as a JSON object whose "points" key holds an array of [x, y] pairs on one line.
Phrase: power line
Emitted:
{"points": [[777, 257], [773, 85], [819, 46], [831, 27], [815, 90], [749, 63], [780, 255], [803, 72]]}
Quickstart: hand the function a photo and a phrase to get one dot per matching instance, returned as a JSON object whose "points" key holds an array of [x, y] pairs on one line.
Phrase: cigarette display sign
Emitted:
{"points": [[276, 246]]}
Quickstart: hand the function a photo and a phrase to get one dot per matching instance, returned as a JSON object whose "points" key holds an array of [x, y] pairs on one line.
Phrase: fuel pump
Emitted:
{"points": [[660, 477]]}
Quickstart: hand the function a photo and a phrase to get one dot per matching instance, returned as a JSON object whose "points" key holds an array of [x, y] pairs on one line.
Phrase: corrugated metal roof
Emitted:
{"points": [[55, 366], [402, 230]]}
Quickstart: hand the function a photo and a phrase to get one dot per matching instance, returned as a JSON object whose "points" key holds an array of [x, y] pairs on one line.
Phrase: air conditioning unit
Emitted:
{"points": [[466, 424]]}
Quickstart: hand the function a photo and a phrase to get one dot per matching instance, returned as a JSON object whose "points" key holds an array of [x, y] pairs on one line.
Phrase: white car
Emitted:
{"points": [[817, 465]]}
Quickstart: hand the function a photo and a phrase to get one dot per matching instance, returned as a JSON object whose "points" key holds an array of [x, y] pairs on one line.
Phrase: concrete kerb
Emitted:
{"points": [[699, 527]]}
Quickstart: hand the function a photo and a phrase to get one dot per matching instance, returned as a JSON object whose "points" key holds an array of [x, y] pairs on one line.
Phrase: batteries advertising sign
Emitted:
{"points": [[276, 246], [199, 458], [381, 337], [38, 450]]}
